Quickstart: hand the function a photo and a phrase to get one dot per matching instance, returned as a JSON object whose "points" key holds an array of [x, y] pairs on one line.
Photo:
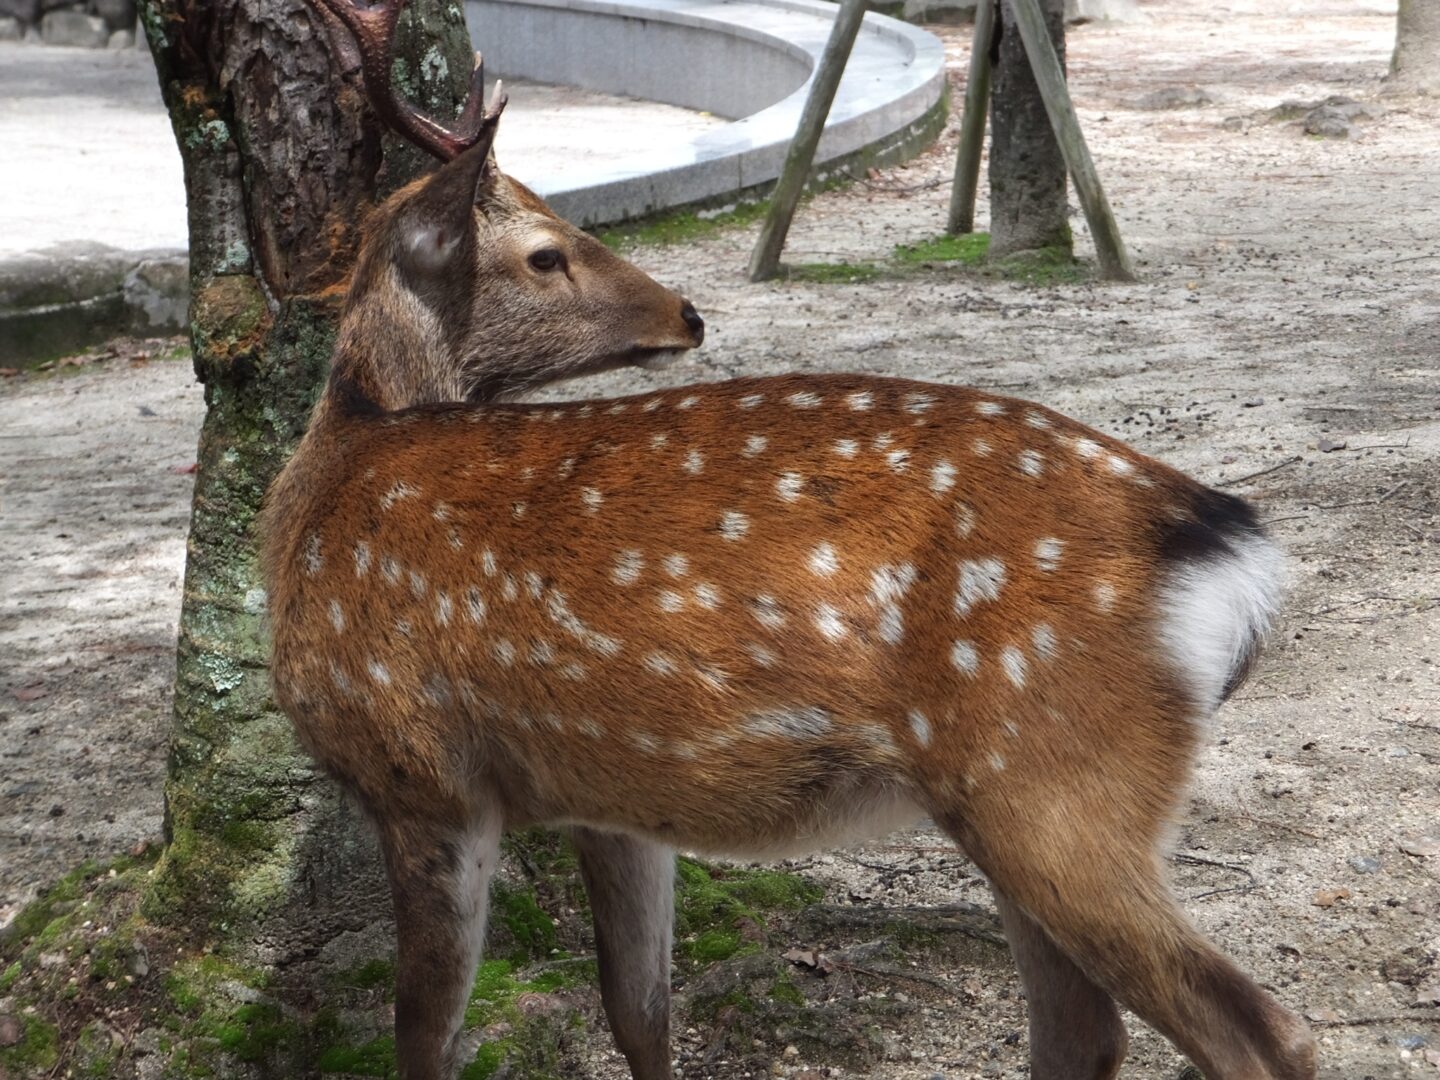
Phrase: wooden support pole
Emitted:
{"points": [[972, 124], [765, 259], [1114, 262]]}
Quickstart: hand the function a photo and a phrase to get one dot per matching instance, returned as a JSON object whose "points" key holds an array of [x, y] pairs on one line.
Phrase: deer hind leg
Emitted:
{"points": [[631, 884], [1075, 1029], [1087, 874], [440, 883]]}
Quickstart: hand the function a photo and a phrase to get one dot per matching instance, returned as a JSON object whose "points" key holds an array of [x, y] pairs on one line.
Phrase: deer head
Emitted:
{"points": [[468, 287]]}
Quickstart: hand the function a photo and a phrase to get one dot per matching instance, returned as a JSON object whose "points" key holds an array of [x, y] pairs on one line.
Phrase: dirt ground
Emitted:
{"points": [[1284, 343]]}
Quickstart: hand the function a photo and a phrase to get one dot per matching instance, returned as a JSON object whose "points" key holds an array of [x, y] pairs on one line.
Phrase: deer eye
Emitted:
{"points": [[547, 259]]}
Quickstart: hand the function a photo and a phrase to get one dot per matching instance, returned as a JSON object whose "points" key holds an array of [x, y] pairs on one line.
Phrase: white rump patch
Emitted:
{"points": [[1214, 611]]}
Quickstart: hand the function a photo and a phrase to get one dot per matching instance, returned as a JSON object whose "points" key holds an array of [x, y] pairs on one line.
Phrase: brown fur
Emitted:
{"points": [[482, 620]]}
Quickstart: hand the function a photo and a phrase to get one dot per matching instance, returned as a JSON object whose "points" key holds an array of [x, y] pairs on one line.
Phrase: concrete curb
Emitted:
{"points": [[71, 295], [749, 59]]}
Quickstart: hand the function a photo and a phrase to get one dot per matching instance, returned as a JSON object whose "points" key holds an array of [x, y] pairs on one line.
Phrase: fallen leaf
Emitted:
{"points": [[801, 956], [9, 372], [184, 470], [1322, 1016], [1328, 897]]}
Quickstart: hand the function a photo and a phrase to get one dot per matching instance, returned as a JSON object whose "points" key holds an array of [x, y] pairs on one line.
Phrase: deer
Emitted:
{"points": [[749, 618]]}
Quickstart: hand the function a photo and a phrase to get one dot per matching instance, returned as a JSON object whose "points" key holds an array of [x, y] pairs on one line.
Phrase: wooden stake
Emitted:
{"points": [[972, 124], [765, 259], [1050, 78]]}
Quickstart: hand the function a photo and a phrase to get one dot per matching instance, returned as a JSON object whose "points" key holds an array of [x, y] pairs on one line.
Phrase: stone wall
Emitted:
{"points": [[92, 24]]}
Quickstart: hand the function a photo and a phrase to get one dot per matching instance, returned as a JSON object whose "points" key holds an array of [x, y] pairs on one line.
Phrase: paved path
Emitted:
{"points": [[88, 153]]}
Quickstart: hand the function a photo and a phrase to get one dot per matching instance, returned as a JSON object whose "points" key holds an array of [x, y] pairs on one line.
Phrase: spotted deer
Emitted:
{"points": [[750, 617]]}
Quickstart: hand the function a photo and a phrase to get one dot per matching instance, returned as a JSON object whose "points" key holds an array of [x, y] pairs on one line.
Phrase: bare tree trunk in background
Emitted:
{"points": [[1027, 171], [282, 159], [1415, 66]]}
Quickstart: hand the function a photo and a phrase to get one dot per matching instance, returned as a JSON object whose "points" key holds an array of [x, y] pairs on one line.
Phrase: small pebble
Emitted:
{"points": [[1364, 864]]}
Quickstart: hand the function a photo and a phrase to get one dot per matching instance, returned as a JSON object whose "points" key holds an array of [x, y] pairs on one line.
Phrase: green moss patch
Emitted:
{"points": [[680, 227], [721, 911]]}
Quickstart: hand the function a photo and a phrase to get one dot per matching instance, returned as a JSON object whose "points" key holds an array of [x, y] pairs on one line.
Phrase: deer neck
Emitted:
{"points": [[395, 350]]}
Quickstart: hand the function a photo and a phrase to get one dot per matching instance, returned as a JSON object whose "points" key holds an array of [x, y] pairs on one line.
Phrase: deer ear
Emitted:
{"points": [[439, 222]]}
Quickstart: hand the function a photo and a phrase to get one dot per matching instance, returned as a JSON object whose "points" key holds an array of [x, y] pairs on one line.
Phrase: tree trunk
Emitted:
{"points": [[1027, 171], [1415, 66], [282, 158]]}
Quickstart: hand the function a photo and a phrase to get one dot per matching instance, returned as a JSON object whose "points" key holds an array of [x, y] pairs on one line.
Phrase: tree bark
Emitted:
{"points": [[1415, 65], [282, 159], [1027, 171]]}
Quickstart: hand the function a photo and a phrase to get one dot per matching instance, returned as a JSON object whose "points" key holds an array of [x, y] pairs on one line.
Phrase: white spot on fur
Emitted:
{"points": [[1043, 638], [574, 671], [688, 402], [617, 408], [804, 399], [652, 404], [1012, 660], [676, 565], [707, 596], [417, 584], [768, 613], [694, 462], [860, 400], [592, 498], [889, 584], [920, 725], [980, 579], [1118, 465], [517, 510], [918, 403], [509, 590], [882, 441], [441, 511], [362, 559], [807, 722], [660, 664], [399, 490], [1037, 420], [645, 743], [997, 762], [505, 651], [891, 624], [474, 605], [846, 448], [337, 616], [628, 565], [898, 460], [789, 486], [1047, 552], [534, 584], [942, 477], [390, 569], [982, 448], [488, 564], [823, 560], [964, 657], [444, 608], [379, 672], [1032, 462], [542, 653], [755, 445], [734, 525], [762, 656], [314, 560], [1213, 611], [454, 538], [829, 622], [669, 600], [989, 408], [658, 440], [964, 519], [750, 401], [1087, 448], [1105, 597]]}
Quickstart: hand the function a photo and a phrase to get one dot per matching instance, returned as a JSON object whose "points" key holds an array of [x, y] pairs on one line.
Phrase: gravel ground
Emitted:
{"points": [[1284, 342]]}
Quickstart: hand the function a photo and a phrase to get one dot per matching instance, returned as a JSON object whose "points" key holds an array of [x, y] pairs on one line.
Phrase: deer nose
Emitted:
{"points": [[693, 321]]}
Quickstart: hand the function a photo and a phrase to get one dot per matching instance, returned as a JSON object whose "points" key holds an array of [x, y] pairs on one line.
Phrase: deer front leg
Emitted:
{"points": [[631, 884], [1075, 1029], [440, 883]]}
